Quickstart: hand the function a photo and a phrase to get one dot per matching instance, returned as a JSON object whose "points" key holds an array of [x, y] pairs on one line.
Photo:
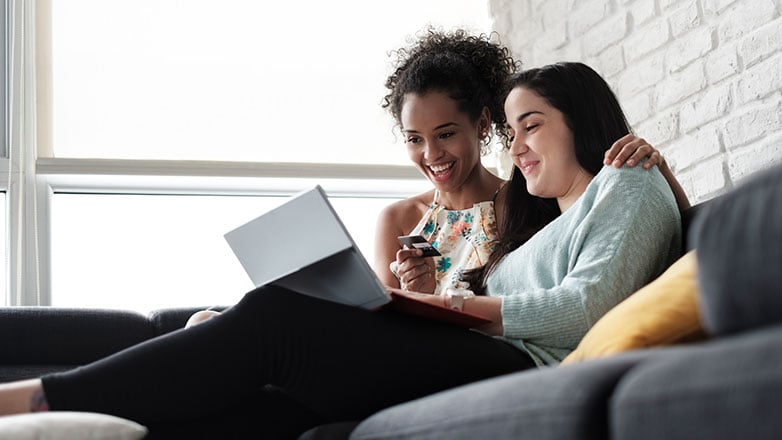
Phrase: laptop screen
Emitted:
{"points": [[303, 245]]}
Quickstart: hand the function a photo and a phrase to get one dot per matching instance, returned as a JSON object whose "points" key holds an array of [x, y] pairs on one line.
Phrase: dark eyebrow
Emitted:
{"points": [[447, 124], [524, 116]]}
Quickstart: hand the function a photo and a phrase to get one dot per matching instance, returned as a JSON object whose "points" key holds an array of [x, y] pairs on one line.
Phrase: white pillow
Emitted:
{"points": [[61, 425]]}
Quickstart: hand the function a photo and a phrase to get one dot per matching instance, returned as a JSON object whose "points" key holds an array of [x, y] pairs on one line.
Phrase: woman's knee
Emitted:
{"points": [[277, 304], [200, 316], [269, 297]]}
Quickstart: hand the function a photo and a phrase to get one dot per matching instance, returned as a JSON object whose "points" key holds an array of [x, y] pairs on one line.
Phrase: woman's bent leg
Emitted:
{"points": [[342, 362]]}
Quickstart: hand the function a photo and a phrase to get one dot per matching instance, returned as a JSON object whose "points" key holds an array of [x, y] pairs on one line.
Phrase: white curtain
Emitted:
{"points": [[24, 281]]}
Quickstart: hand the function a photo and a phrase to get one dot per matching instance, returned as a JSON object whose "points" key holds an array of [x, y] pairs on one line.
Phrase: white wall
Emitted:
{"points": [[699, 79]]}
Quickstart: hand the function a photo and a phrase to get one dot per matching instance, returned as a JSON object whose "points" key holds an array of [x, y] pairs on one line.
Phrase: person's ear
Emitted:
{"points": [[484, 123]]}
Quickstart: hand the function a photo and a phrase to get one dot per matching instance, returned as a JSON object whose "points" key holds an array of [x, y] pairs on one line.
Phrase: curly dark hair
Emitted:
{"points": [[471, 69]]}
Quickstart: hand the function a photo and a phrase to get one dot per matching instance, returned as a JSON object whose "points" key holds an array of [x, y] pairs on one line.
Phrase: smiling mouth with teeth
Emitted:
{"points": [[441, 168]]}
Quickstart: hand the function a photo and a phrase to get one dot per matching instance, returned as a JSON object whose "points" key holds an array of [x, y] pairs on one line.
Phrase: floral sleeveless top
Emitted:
{"points": [[465, 239]]}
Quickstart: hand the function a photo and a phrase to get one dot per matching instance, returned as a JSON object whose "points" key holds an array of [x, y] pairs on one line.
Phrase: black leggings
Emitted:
{"points": [[331, 361]]}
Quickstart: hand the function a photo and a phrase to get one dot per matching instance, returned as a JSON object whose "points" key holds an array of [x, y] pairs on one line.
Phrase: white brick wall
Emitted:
{"points": [[699, 79]]}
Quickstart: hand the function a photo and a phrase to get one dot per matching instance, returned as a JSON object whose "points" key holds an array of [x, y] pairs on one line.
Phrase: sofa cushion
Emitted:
{"points": [[541, 404], [67, 336], [729, 388], [662, 312], [739, 242], [64, 425]]}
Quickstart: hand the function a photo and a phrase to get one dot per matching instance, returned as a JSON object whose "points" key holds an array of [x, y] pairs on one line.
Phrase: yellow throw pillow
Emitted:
{"points": [[662, 312]]}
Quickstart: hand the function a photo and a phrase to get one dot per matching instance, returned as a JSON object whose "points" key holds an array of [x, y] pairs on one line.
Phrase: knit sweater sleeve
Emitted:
{"points": [[623, 231]]}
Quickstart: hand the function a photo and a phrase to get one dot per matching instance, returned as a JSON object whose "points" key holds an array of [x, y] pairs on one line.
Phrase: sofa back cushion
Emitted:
{"points": [[738, 237], [67, 336]]}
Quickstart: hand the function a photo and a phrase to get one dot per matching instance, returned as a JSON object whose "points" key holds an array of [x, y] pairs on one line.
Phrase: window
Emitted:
{"points": [[154, 126], [237, 80], [179, 257]]}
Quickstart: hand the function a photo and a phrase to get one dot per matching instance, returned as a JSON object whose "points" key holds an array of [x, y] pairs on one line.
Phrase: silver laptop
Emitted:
{"points": [[304, 246]]}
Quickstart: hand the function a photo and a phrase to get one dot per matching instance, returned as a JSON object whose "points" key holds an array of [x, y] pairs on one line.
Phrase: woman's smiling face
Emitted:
{"points": [[441, 140], [542, 147]]}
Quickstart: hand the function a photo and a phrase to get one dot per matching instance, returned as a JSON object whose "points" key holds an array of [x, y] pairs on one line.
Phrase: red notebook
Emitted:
{"points": [[423, 309]]}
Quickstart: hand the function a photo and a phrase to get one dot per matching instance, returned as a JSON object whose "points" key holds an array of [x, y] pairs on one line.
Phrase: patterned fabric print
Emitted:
{"points": [[465, 238]]}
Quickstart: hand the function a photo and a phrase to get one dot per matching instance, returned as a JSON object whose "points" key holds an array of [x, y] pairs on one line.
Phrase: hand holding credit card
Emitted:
{"points": [[419, 242]]}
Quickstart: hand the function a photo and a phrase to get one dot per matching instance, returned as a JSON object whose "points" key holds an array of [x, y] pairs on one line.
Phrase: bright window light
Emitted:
{"points": [[143, 252], [239, 80]]}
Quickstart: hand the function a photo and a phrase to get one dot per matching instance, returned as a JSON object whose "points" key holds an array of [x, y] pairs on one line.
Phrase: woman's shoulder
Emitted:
{"points": [[633, 184], [408, 211]]}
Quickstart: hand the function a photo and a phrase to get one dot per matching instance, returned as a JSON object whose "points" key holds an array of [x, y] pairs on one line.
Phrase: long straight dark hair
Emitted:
{"points": [[596, 120]]}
